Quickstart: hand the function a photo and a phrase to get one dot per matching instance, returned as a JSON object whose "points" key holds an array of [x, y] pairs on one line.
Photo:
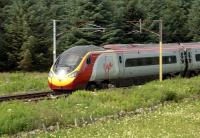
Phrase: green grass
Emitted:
{"points": [[174, 120], [18, 116], [12, 83]]}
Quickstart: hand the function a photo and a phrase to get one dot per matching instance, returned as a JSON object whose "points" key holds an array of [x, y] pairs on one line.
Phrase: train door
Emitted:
{"points": [[121, 65], [182, 57], [183, 62], [189, 58], [197, 58]]}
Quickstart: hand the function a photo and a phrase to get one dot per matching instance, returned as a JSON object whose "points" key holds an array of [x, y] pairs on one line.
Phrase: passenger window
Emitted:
{"points": [[120, 59], [197, 57], [88, 61], [189, 55], [148, 61]]}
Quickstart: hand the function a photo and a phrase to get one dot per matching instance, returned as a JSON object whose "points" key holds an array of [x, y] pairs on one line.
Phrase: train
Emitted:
{"points": [[90, 67]]}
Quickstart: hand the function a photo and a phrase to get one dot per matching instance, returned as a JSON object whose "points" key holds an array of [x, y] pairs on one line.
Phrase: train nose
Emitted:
{"points": [[59, 81]]}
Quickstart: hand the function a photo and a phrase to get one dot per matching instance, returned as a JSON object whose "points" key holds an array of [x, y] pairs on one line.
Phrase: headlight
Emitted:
{"points": [[61, 73], [50, 74], [72, 75]]}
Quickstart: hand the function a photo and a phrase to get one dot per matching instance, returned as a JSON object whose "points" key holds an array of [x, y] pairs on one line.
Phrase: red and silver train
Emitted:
{"points": [[90, 66]]}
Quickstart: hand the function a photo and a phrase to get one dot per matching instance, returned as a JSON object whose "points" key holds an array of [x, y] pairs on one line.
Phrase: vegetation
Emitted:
{"points": [[174, 120], [81, 106], [11, 83], [26, 26]]}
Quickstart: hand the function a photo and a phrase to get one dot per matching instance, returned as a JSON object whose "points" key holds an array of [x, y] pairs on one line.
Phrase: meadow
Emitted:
{"points": [[174, 120], [83, 107], [13, 83]]}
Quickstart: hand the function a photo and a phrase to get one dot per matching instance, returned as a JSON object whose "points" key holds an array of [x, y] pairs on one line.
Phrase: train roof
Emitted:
{"points": [[190, 45], [127, 47], [144, 47], [83, 49]]}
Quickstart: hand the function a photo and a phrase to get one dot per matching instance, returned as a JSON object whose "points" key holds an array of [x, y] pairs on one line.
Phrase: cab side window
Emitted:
{"points": [[120, 59], [88, 61]]}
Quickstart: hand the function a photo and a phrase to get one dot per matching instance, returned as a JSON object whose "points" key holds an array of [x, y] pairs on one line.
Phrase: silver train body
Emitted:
{"points": [[140, 62], [122, 65]]}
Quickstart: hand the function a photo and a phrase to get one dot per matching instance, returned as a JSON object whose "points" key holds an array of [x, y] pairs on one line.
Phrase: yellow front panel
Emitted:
{"points": [[60, 82]]}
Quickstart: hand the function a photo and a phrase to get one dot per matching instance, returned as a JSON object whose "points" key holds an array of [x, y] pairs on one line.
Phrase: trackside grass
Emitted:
{"points": [[81, 106], [174, 120], [12, 83]]}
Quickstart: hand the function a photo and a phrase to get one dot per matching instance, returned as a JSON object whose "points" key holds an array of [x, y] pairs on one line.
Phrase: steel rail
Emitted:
{"points": [[30, 96]]}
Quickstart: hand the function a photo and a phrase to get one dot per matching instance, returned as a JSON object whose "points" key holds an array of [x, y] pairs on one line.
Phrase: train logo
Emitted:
{"points": [[107, 66]]}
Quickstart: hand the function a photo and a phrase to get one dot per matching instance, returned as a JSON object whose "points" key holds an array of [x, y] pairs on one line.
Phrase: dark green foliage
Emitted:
{"points": [[194, 21], [3, 49], [98, 13], [175, 17], [26, 61], [169, 96], [133, 12], [26, 25]]}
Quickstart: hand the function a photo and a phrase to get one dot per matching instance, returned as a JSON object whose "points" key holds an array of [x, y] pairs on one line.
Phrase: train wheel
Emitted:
{"points": [[104, 85], [192, 74], [168, 76], [91, 86]]}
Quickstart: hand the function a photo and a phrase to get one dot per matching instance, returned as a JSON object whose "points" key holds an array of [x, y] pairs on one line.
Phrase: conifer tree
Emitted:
{"points": [[26, 61], [17, 31], [194, 21], [94, 12], [123, 31], [26, 26], [3, 49], [174, 17]]}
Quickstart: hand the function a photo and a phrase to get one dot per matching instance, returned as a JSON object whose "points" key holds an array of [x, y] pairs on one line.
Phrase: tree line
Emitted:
{"points": [[26, 26]]}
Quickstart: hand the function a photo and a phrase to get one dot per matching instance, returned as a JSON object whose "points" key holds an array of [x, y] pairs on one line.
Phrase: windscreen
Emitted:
{"points": [[68, 60], [72, 57]]}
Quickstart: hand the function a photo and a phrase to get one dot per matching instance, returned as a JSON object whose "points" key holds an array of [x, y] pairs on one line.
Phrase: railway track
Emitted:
{"points": [[36, 96]]}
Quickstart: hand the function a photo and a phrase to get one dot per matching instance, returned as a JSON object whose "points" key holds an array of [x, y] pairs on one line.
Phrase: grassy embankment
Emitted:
{"points": [[174, 120], [81, 106], [12, 83]]}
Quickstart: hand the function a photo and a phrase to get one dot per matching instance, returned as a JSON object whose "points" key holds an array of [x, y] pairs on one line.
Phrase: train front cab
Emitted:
{"points": [[70, 71], [63, 73]]}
